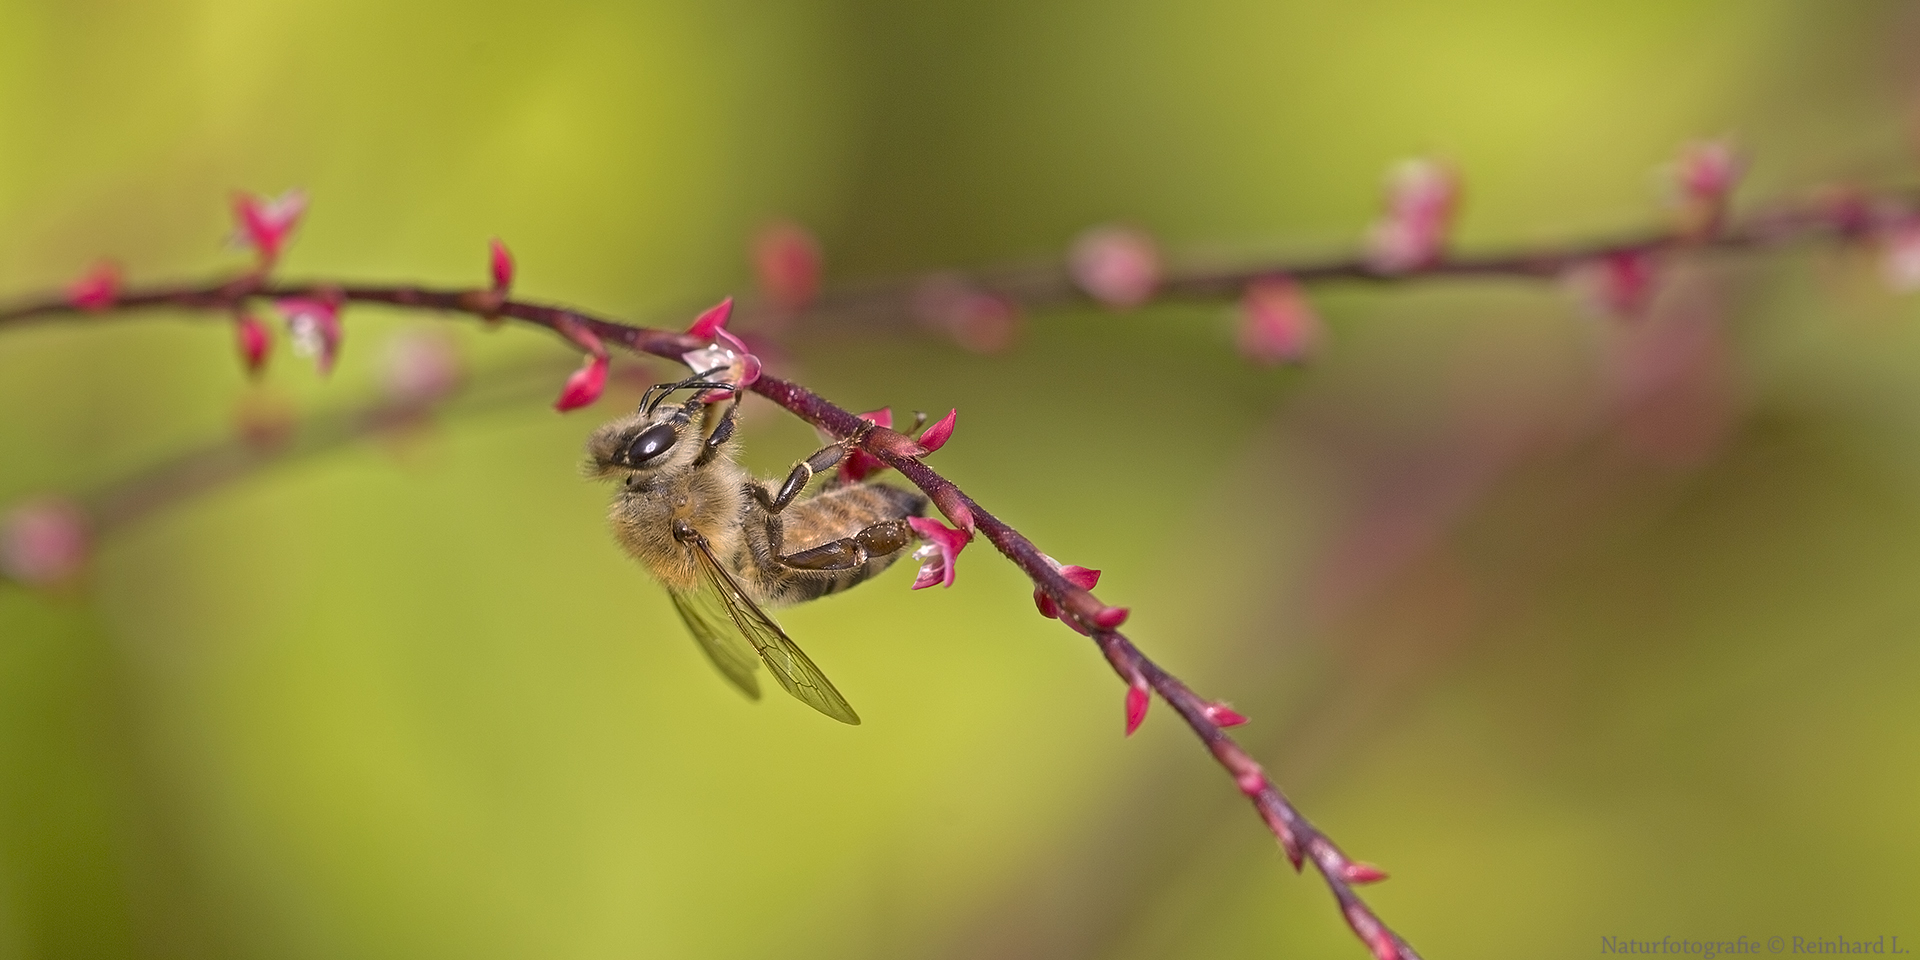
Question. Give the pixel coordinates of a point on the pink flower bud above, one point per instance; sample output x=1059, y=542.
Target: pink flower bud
x=43, y=543
x=265, y=225
x=1118, y=266
x=1421, y=197
x=787, y=263
x=938, y=555
x=421, y=368
x=1110, y=618
x=250, y=335
x=99, y=289
x=1357, y=872
x=314, y=327
x=936, y=436
x=1223, y=715
x=1137, y=701
x=501, y=262
x=1277, y=324
x=708, y=324
x=1080, y=577
x=585, y=385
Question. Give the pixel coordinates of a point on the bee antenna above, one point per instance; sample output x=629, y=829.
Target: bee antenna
x=649, y=402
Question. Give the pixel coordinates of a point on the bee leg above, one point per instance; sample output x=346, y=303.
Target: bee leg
x=848, y=553
x=822, y=460
x=722, y=432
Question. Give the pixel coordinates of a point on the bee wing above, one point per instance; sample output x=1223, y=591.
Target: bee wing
x=709, y=623
x=791, y=667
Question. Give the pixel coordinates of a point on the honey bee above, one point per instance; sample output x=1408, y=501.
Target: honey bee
x=726, y=545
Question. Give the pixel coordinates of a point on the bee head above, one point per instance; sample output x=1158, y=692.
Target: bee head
x=653, y=437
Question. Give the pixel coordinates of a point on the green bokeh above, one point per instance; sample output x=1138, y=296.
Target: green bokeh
x=410, y=701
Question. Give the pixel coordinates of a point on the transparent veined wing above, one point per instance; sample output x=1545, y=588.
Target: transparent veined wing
x=709, y=623
x=791, y=667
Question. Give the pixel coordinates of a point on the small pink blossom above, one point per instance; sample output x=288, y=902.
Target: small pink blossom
x=585, y=385
x=936, y=436
x=265, y=225
x=1223, y=715
x=43, y=543
x=1357, y=872
x=99, y=289
x=977, y=320
x=728, y=357
x=1080, y=577
x=314, y=327
x=1138, y=699
x=500, y=262
x=1421, y=197
x=1277, y=324
x=787, y=263
x=858, y=464
x=1110, y=618
x=1900, y=256
x=250, y=336
x=939, y=554
x=1116, y=265
x=421, y=367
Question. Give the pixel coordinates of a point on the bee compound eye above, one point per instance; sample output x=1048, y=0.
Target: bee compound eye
x=651, y=443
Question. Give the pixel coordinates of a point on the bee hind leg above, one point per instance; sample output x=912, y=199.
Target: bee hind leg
x=848, y=553
x=823, y=459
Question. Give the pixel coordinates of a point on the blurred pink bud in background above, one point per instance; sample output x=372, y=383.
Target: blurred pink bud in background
x=1118, y=266
x=314, y=327
x=265, y=225
x=500, y=264
x=98, y=289
x=250, y=335
x=43, y=543
x=1412, y=233
x=1620, y=284
x=1900, y=256
x=1277, y=324
x=787, y=264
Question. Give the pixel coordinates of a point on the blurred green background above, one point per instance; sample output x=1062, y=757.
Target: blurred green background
x=1578, y=629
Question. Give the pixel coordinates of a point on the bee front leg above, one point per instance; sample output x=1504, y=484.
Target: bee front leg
x=722, y=432
x=848, y=553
